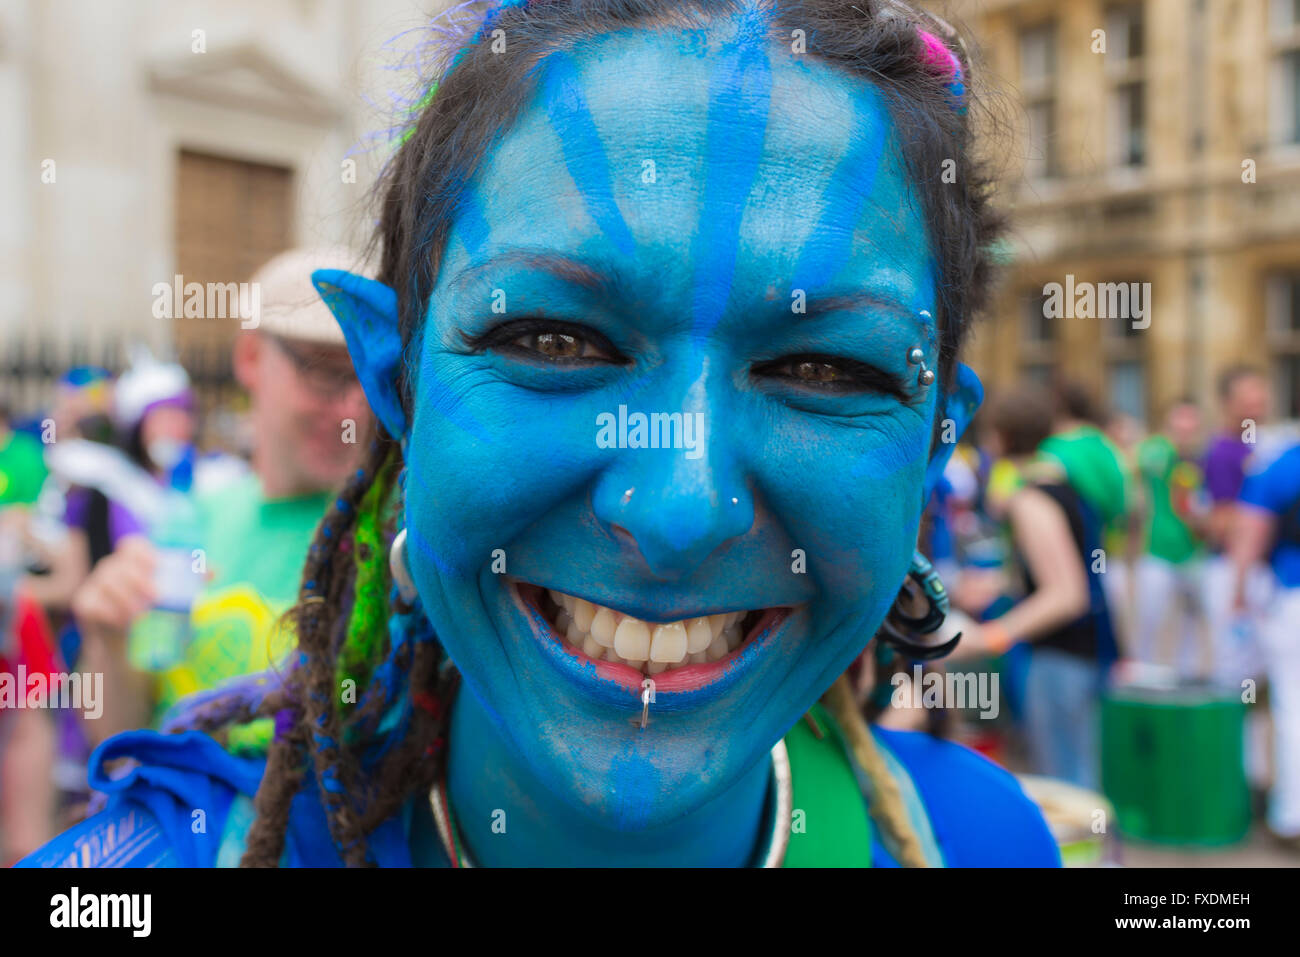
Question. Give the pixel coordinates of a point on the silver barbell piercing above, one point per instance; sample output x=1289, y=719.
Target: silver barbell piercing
x=916, y=357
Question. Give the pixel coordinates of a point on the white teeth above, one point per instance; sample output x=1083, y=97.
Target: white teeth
x=604, y=634
x=733, y=636
x=698, y=635
x=668, y=644
x=583, y=613
x=632, y=639
x=603, y=627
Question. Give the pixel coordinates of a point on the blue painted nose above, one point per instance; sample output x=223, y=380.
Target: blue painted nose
x=676, y=510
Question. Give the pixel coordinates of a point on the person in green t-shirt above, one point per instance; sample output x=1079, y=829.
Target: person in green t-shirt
x=1099, y=471
x=254, y=549
x=1094, y=466
x=309, y=417
x=22, y=465
x=1168, y=578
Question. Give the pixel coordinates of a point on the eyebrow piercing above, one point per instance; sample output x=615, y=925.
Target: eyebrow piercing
x=916, y=357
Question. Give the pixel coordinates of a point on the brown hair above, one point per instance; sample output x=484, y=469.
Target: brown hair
x=1022, y=418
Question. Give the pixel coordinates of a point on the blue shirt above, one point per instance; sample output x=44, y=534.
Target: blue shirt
x=1276, y=488
x=188, y=803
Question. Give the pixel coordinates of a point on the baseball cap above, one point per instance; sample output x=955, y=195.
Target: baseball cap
x=290, y=305
x=148, y=384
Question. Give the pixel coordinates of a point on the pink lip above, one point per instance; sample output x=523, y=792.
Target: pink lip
x=689, y=678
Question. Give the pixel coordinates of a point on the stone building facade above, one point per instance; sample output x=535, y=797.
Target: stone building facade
x=1148, y=141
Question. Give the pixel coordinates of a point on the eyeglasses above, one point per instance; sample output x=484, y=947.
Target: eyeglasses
x=328, y=379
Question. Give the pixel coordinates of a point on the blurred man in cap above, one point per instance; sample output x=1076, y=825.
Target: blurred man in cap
x=308, y=416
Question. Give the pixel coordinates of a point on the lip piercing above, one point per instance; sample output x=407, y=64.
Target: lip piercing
x=647, y=689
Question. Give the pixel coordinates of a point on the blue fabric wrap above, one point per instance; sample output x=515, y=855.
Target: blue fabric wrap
x=156, y=800
x=978, y=812
x=980, y=815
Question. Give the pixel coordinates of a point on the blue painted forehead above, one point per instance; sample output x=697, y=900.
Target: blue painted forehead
x=802, y=119
x=935, y=53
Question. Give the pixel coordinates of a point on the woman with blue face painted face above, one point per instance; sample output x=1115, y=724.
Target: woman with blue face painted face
x=664, y=332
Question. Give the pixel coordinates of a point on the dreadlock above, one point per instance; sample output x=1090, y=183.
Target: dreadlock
x=344, y=642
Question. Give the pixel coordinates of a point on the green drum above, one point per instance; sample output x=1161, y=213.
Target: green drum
x=1172, y=764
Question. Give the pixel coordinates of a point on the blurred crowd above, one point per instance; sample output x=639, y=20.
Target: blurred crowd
x=150, y=569
x=1080, y=554
x=1084, y=555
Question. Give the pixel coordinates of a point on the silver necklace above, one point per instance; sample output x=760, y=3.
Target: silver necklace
x=773, y=855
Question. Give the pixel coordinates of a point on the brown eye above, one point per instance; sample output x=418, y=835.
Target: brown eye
x=831, y=374
x=556, y=345
x=545, y=340
x=807, y=371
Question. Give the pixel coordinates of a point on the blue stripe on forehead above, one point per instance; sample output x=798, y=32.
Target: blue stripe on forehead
x=739, y=106
x=584, y=152
x=830, y=242
x=471, y=225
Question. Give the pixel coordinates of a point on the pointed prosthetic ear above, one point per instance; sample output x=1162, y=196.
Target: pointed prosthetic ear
x=366, y=310
x=957, y=409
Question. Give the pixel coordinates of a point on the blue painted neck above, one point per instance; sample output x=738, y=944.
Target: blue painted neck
x=485, y=778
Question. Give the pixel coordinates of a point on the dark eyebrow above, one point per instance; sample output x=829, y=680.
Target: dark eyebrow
x=853, y=302
x=562, y=267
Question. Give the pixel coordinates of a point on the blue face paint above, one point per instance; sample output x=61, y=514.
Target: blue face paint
x=621, y=205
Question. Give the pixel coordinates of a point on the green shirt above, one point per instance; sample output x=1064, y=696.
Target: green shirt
x=254, y=549
x=1095, y=469
x=1166, y=476
x=22, y=469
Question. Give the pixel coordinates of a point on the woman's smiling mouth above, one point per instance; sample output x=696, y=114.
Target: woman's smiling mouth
x=683, y=655
x=604, y=634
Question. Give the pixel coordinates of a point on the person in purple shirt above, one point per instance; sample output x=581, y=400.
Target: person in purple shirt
x=153, y=414
x=1244, y=400
x=1244, y=403
x=1267, y=527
